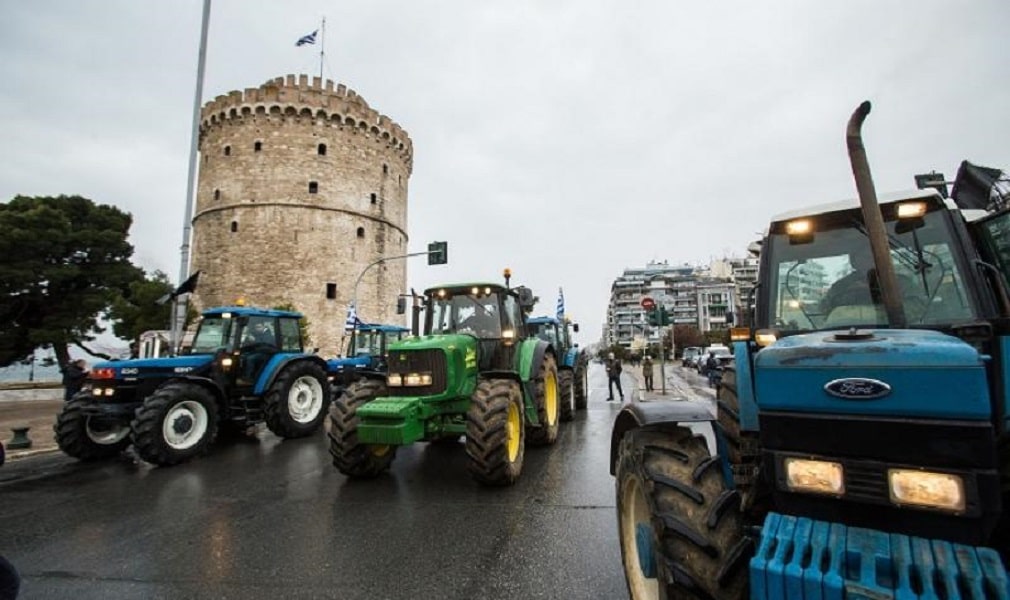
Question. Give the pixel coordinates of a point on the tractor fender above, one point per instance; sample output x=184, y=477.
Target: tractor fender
x=663, y=416
x=277, y=363
x=205, y=382
x=531, y=356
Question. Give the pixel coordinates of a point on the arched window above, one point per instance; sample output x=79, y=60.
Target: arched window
x=321, y=149
x=234, y=226
x=361, y=232
x=227, y=150
x=313, y=187
x=373, y=198
x=257, y=146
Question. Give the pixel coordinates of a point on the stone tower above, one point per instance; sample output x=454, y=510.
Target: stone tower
x=301, y=187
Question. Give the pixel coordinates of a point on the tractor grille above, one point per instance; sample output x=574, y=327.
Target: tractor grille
x=418, y=361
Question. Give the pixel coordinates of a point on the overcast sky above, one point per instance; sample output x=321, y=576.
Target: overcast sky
x=567, y=140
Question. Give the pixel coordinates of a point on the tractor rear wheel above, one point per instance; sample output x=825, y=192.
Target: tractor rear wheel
x=295, y=405
x=176, y=423
x=546, y=401
x=581, y=397
x=495, y=432
x=360, y=461
x=680, y=528
x=89, y=438
x=566, y=387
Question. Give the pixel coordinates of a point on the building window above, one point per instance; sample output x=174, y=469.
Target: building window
x=313, y=187
x=234, y=226
x=385, y=169
x=227, y=150
x=373, y=199
x=361, y=232
x=217, y=194
x=331, y=291
x=321, y=149
x=257, y=146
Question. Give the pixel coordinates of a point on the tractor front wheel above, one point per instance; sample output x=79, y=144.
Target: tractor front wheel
x=546, y=400
x=680, y=528
x=356, y=460
x=495, y=432
x=566, y=386
x=89, y=438
x=176, y=423
x=295, y=405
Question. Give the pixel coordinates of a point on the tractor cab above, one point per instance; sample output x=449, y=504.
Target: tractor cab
x=367, y=351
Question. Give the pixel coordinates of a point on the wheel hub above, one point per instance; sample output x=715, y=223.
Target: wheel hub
x=182, y=424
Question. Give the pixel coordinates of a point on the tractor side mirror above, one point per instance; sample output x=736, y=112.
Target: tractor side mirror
x=401, y=305
x=526, y=300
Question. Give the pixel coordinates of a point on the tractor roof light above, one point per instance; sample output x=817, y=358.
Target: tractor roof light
x=799, y=227
x=911, y=210
x=766, y=337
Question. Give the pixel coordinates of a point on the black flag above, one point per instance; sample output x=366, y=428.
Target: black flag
x=976, y=187
x=187, y=286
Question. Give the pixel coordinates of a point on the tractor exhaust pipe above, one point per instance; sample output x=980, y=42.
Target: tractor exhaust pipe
x=873, y=219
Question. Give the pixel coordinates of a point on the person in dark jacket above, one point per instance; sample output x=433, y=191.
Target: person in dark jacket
x=614, y=376
x=74, y=375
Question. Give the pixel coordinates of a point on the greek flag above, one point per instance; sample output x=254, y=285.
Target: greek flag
x=352, y=320
x=307, y=39
x=561, y=304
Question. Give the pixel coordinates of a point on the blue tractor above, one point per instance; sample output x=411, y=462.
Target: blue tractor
x=366, y=354
x=246, y=366
x=571, y=363
x=860, y=446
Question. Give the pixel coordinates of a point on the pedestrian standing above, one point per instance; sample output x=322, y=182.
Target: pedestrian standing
x=648, y=372
x=74, y=375
x=614, y=369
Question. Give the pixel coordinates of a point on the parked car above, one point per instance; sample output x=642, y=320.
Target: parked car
x=720, y=352
x=691, y=354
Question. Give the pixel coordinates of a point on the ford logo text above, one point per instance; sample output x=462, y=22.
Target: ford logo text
x=857, y=388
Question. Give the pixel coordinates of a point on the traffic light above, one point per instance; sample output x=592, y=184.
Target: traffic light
x=653, y=317
x=438, y=253
x=658, y=317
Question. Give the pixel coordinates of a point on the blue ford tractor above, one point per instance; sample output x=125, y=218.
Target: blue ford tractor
x=474, y=371
x=366, y=353
x=571, y=366
x=246, y=366
x=859, y=446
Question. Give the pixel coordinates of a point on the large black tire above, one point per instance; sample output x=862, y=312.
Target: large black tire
x=495, y=432
x=359, y=461
x=741, y=448
x=546, y=398
x=671, y=497
x=581, y=397
x=176, y=423
x=89, y=438
x=567, y=395
x=295, y=405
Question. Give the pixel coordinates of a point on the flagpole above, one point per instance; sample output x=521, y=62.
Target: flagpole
x=322, y=47
x=179, y=306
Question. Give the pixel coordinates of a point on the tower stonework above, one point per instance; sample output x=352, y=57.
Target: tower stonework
x=301, y=187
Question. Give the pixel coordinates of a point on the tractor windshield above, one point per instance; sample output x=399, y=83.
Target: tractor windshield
x=366, y=343
x=212, y=335
x=545, y=331
x=825, y=278
x=477, y=312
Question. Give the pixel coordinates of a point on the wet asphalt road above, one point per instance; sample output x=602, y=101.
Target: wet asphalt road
x=264, y=519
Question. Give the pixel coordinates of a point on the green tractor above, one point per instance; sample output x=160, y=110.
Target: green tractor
x=474, y=372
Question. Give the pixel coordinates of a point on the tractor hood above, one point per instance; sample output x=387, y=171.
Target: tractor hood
x=887, y=372
x=181, y=364
x=429, y=342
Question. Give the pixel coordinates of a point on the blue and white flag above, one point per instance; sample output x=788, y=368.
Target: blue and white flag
x=352, y=320
x=561, y=304
x=307, y=39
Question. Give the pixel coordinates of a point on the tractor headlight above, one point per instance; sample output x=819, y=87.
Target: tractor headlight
x=394, y=380
x=110, y=391
x=931, y=490
x=96, y=391
x=227, y=362
x=417, y=379
x=814, y=476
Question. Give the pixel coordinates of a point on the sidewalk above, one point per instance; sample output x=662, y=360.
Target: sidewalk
x=35, y=407
x=680, y=384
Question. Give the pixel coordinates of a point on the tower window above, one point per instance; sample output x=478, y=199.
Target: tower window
x=227, y=150
x=313, y=187
x=234, y=226
x=217, y=194
x=373, y=199
x=321, y=149
x=361, y=232
x=257, y=146
x=331, y=291
x=385, y=168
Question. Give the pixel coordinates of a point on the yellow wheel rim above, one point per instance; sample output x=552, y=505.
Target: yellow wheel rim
x=512, y=431
x=379, y=451
x=551, y=397
x=635, y=512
